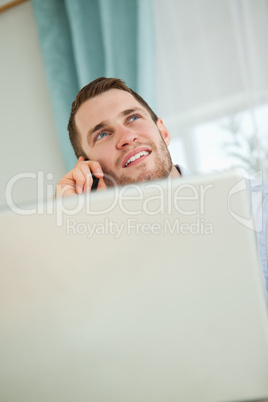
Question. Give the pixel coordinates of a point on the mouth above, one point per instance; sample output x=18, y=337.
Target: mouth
x=136, y=156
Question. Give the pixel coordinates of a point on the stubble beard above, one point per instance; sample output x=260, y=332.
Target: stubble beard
x=161, y=170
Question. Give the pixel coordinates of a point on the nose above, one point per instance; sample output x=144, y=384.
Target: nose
x=125, y=137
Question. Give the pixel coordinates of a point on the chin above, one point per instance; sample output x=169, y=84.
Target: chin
x=145, y=176
x=161, y=170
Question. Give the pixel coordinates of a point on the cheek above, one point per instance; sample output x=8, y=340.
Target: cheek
x=103, y=156
x=151, y=128
x=149, y=132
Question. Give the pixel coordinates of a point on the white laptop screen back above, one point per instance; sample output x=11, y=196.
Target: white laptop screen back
x=156, y=297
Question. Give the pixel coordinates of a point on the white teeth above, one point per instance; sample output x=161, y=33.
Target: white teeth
x=137, y=156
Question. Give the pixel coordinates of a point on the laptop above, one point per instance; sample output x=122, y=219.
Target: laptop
x=149, y=292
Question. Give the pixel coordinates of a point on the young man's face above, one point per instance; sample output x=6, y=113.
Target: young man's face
x=119, y=133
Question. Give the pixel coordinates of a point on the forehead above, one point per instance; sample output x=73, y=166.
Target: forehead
x=104, y=107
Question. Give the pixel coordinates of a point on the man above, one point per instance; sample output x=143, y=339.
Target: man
x=117, y=137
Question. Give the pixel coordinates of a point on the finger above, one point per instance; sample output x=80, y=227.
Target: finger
x=80, y=179
x=96, y=169
x=101, y=184
x=85, y=169
x=84, y=184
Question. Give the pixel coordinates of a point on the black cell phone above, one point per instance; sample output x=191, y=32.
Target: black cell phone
x=95, y=182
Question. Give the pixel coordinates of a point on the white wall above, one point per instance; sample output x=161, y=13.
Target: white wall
x=28, y=134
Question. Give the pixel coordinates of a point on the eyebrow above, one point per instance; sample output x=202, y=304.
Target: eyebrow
x=105, y=123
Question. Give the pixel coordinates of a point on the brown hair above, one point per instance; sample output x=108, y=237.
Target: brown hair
x=95, y=88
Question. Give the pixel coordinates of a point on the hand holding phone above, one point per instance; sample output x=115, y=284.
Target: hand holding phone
x=83, y=178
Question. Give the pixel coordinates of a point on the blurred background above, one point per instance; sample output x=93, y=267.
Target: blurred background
x=202, y=65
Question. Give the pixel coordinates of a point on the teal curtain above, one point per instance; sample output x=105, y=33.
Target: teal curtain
x=85, y=39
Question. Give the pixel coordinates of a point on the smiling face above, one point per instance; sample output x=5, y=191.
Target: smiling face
x=119, y=133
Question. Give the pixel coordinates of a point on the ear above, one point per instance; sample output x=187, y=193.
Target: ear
x=163, y=131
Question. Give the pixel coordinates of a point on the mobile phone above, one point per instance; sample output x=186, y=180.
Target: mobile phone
x=95, y=180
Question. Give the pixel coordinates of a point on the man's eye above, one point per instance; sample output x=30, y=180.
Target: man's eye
x=100, y=136
x=134, y=117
